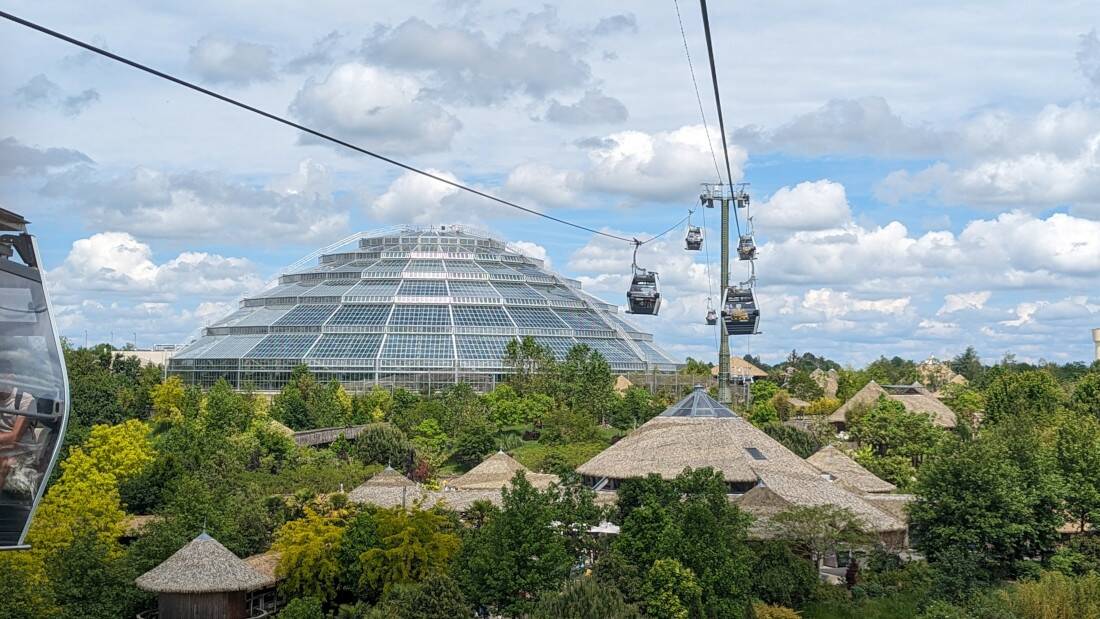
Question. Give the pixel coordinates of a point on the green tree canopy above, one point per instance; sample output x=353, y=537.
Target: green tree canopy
x=1031, y=393
x=411, y=546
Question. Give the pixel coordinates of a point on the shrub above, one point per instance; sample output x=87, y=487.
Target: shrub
x=383, y=443
x=303, y=608
x=767, y=611
x=584, y=598
x=781, y=577
x=1055, y=595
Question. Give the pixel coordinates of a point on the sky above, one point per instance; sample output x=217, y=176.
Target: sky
x=925, y=176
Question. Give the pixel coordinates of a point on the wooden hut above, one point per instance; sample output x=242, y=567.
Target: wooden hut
x=496, y=472
x=203, y=580
x=846, y=471
x=913, y=397
x=387, y=489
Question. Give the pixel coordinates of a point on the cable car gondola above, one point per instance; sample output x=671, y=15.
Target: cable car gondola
x=739, y=311
x=694, y=239
x=34, y=389
x=643, y=297
x=746, y=247
x=712, y=317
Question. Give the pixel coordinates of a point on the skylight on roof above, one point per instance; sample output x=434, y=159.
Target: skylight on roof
x=756, y=453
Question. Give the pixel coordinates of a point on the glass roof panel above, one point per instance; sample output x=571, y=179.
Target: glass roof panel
x=388, y=265
x=536, y=318
x=360, y=315
x=423, y=288
x=517, y=291
x=583, y=320
x=472, y=289
x=420, y=315
x=463, y=266
x=282, y=346
x=374, y=288
x=425, y=266
x=698, y=403
x=560, y=293
x=335, y=288
x=233, y=347
x=347, y=346
x=497, y=268
x=482, y=347
x=197, y=348
x=612, y=350
x=560, y=346
x=291, y=289
x=263, y=317
x=306, y=315
x=480, y=316
x=417, y=346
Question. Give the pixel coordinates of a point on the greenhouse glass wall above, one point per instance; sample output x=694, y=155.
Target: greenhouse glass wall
x=413, y=307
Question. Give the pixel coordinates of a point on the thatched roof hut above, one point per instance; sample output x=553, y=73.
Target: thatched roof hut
x=740, y=367
x=266, y=565
x=496, y=472
x=762, y=475
x=387, y=488
x=622, y=383
x=202, y=579
x=696, y=432
x=913, y=397
x=847, y=471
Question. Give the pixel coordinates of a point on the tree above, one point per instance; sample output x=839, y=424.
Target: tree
x=997, y=496
x=431, y=440
x=1086, y=395
x=382, y=443
x=168, y=400
x=84, y=498
x=584, y=598
x=530, y=365
x=799, y=441
x=227, y=411
x=584, y=385
x=801, y=385
x=670, y=591
x=411, y=546
x=1032, y=393
x=371, y=407
x=891, y=430
x=1077, y=450
x=308, y=559
x=89, y=579
x=819, y=529
x=291, y=406
x=438, y=597
x=25, y=587
x=517, y=553
x=782, y=577
x=473, y=443
x=968, y=364
x=633, y=409
x=694, y=367
x=303, y=608
x=121, y=450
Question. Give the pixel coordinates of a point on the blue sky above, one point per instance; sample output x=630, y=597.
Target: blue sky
x=926, y=177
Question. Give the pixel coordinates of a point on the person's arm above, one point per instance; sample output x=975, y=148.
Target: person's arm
x=7, y=439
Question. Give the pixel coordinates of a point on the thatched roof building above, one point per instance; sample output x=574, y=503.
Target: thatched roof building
x=203, y=579
x=496, y=472
x=622, y=383
x=761, y=474
x=740, y=367
x=387, y=488
x=913, y=397
x=847, y=471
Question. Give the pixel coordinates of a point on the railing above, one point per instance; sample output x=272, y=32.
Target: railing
x=257, y=613
x=325, y=436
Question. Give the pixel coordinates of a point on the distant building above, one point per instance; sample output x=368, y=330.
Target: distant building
x=1096, y=340
x=159, y=355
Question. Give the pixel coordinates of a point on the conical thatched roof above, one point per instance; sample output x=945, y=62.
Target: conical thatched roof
x=497, y=471
x=387, y=488
x=779, y=492
x=202, y=566
x=695, y=432
x=913, y=397
x=847, y=471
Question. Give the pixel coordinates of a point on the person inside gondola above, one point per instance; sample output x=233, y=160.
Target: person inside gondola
x=14, y=424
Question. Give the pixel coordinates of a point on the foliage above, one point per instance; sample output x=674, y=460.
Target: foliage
x=303, y=403
x=695, y=367
x=996, y=496
x=1034, y=394
x=893, y=371
x=25, y=587
x=303, y=608
x=763, y=390
x=106, y=390
x=168, y=400
x=90, y=579
x=849, y=382
x=583, y=598
x=763, y=413
x=767, y=611
x=473, y=443
x=1055, y=595
x=430, y=439
x=822, y=406
x=819, y=529
x=438, y=597
x=801, y=385
x=1080, y=555
x=226, y=410
x=583, y=384
x=564, y=425
x=85, y=498
x=799, y=441
x=782, y=577
x=530, y=365
x=516, y=553
x=670, y=591
x=891, y=430
x=688, y=519
x=898, y=470
x=1077, y=450
x=411, y=545
x=636, y=407
x=543, y=457
x=121, y=450
x=1086, y=395
x=968, y=364
x=384, y=443
x=309, y=558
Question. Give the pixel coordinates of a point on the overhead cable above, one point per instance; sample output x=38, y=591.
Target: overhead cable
x=718, y=104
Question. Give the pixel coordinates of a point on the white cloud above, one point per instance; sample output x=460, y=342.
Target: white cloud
x=40, y=91
x=223, y=60
x=964, y=301
x=544, y=184
x=813, y=205
x=18, y=158
x=533, y=250
x=664, y=165
x=413, y=198
x=193, y=205
x=385, y=110
x=1088, y=57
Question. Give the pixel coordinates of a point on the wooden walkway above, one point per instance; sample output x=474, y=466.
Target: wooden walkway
x=325, y=436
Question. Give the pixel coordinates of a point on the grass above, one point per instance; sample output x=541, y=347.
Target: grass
x=532, y=454
x=890, y=607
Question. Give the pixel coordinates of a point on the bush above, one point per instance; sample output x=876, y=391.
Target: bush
x=473, y=443
x=802, y=443
x=1055, y=595
x=383, y=443
x=1080, y=555
x=303, y=608
x=780, y=577
x=766, y=611
x=584, y=598
x=944, y=610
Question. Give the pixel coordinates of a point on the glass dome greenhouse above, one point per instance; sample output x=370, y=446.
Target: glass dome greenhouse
x=415, y=307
